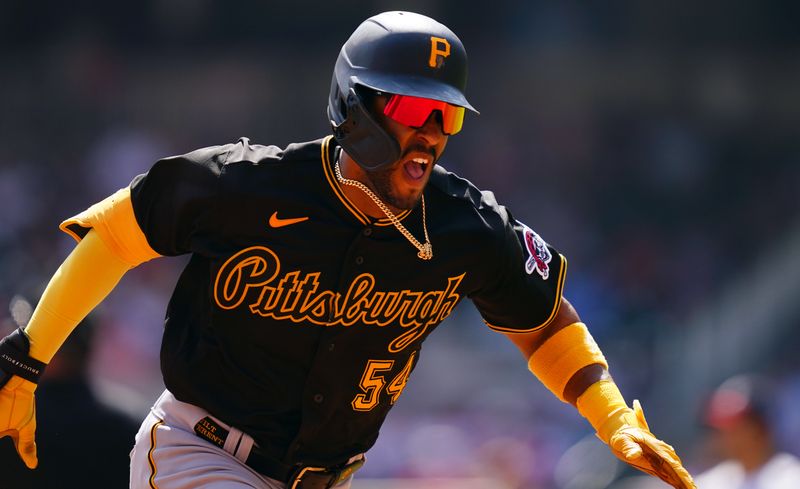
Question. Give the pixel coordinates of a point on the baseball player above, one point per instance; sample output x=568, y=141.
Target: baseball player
x=317, y=271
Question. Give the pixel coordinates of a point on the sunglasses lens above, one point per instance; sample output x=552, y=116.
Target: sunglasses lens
x=453, y=119
x=414, y=111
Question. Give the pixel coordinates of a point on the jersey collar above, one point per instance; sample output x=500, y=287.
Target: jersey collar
x=328, y=158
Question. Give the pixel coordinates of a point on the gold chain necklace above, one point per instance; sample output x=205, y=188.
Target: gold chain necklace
x=425, y=250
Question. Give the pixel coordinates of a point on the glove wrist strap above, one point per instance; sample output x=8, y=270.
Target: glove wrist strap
x=15, y=359
x=604, y=407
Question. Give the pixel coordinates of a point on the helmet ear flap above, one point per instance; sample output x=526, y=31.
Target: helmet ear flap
x=337, y=108
x=363, y=137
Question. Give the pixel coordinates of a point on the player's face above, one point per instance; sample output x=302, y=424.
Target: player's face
x=400, y=184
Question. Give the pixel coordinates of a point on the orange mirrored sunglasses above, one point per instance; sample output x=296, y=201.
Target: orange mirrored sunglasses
x=414, y=111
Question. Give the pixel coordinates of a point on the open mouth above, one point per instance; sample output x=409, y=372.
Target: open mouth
x=415, y=168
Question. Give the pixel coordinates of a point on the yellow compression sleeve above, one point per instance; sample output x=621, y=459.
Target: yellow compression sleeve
x=114, y=244
x=563, y=355
x=85, y=278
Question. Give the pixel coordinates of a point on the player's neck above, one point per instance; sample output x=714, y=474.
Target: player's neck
x=351, y=170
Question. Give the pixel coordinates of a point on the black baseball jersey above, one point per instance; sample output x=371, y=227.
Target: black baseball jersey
x=298, y=318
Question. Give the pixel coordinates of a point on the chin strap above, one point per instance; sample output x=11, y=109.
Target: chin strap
x=15, y=359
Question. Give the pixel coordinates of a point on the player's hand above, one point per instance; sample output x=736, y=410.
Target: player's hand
x=18, y=417
x=629, y=438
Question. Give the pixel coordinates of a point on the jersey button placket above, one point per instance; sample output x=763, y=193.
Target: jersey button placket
x=318, y=398
x=359, y=260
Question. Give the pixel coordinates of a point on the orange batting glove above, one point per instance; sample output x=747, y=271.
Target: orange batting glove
x=18, y=418
x=627, y=434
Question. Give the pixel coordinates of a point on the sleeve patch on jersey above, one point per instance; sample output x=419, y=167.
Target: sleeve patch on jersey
x=539, y=255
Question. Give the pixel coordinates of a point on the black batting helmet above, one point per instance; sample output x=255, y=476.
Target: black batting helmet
x=398, y=53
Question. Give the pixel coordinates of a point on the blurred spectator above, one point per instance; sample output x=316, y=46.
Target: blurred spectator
x=740, y=414
x=81, y=441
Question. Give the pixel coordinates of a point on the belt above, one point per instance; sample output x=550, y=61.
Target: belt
x=296, y=476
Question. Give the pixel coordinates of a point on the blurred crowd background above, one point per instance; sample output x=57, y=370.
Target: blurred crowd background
x=655, y=144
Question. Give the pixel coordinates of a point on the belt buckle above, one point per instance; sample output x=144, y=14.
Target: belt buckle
x=348, y=469
x=297, y=478
x=335, y=475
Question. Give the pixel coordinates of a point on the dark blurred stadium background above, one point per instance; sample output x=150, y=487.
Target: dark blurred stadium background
x=656, y=144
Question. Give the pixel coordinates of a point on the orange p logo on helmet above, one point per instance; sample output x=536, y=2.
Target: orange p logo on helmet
x=439, y=47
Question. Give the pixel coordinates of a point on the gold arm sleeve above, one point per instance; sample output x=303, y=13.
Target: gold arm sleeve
x=563, y=355
x=85, y=278
x=115, y=222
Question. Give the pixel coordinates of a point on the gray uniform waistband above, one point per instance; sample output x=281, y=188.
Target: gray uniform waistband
x=191, y=418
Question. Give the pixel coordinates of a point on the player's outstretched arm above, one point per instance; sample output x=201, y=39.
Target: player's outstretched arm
x=566, y=359
x=88, y=274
